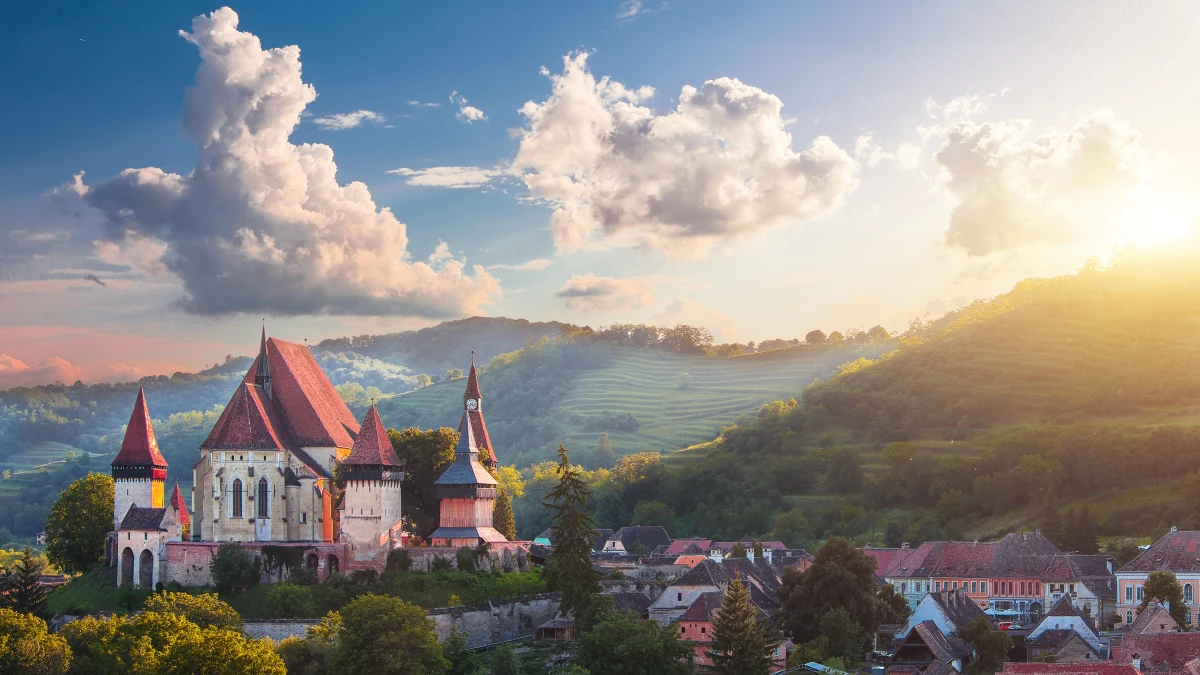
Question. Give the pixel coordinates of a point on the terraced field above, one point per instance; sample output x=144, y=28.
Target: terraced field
x=678, y=400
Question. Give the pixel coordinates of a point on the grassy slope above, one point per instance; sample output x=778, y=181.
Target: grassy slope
x=647, y=384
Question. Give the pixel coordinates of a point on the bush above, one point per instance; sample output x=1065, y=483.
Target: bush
x=233, y=567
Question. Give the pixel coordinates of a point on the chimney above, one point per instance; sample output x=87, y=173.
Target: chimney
x=1174, y=529
x=904, y=544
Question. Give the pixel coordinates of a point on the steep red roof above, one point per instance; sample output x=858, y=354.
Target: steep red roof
x=249, y=422
x=139, y=448
x=913, y=562
x=373, y=447
x=315, y=413
x=1162, y=652
x=1086, y=668
x=177, y=502
x=472, y=381
x=1177, y=551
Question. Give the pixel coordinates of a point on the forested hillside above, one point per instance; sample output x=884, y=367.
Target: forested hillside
x=1072, y=399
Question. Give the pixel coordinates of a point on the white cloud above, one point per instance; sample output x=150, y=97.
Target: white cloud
x=535, y=265
x=14, y=372
x=718, y=166
x=1006, y=190
x=590, y=293
x=908, y=156
x=144, y=254
x=424, y=104
x=261, y=224
x=630, y=9
x=448, y=176
x=348, y=120
x=470, y=114
x=867, y=150
x=683, y=310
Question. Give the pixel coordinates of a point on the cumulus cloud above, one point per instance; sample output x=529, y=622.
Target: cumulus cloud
x=448, y=176
x=718, y=166
x=466, y=113
x=261, y=224
x=870, y=152
x=1006, y=189
x=348, y=120
x=630, y=9
x=590, y=293
x=14, y=372
x=535, y=265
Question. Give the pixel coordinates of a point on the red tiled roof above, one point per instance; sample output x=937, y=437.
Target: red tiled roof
x=310, y=405
x=913, y=562
x=945, y=648
x=373, y=447
x=1151, y=615
x=678, y=546
x=703, y=607
x=1087, y=668
x=249, y=422
x=1163, y=652
x=479, y=429
x=139, y=448
x=185, y=518
x=1177, y=551
x=472, y=381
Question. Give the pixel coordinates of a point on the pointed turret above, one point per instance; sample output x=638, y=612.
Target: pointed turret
x=472, y=382
x=140, y=448
x=185, y=518
x=262, y=373
x=473, y=417
x=373, y=448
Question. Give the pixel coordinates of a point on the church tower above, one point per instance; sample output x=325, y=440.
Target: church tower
x=468, y=494
x=473, y=417
x=139, y=470
x=373, y=474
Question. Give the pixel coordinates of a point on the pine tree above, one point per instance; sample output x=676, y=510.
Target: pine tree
x=1052, y=527
x=503, y=518
x=603, y=454
x=26, y=594
x=741, y=643
x=569, y=568
x=1086, y=538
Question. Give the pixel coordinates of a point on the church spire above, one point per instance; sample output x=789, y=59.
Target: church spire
x=262, y=374
x=472, y=391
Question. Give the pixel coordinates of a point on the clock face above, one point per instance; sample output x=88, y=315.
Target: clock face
x=472, y=404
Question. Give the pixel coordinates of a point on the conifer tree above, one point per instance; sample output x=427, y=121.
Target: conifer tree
x=569, y=568
x=741, y=643
x=603, y=456
x=503, y=518
x=1052, y=527
x=26, y=594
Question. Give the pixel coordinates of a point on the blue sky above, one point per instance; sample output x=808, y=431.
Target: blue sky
x=970, y=145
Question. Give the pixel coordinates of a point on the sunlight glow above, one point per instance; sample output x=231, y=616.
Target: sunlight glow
x=1156, y=219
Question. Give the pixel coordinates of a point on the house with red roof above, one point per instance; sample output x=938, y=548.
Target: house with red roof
x=696, y=626
x=1159, y=653
x=1064, y=636
x=1105, y=668
x=1178, y=552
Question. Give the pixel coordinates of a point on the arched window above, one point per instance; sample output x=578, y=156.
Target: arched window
x=237, y=497
x=1187, y=593
x=262, y=498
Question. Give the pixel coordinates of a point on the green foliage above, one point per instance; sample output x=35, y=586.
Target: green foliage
x=597, y=611
x=842, y=636
x=204, y=610
x=462, y=661
x=389, y=636
x=234, y=567
x=653, y=512
x=625, y=645
x=742, y=643
x=991, y=646
x=506, y=662
x=603, y=456
x=23, y=590
x=78, y=523
x=736, y=551
x=290, y=601
x=312, y=654
x=1164, y=587
x=427, y=454
x=569, y=568
x=503, y=518
x=841, y=576
x=398, y=560
x=27, y=647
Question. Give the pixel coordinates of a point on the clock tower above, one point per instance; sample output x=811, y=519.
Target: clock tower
x=473, y=417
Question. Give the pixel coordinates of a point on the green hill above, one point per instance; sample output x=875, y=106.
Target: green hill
x=645, y=399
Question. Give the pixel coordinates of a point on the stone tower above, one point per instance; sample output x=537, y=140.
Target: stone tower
x=468, y=494
x=371, y=503
x=139, y=470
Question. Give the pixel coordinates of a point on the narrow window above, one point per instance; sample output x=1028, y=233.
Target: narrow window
x=1129, y=593
x=237, y=497
x=1187, y=593
x=262, y=497
x=304, y=517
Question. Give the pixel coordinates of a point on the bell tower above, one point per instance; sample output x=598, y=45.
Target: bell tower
x=473, y=417
x=139, y=471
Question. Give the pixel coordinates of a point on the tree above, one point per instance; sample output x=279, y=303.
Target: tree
x=841, y=576
x=503, y=518
x=423, y=380
x=1164, y=587
x=25, y=592
x=1052, y=527
x=205, y=610
x=991, y=646
x=234, y=567
x=842, y=636
x=603, y=456
x=736, y=551
x=311, y=654
x=220, y=651
x=890, y=606
x=382, y=634
x=742, y=643
x=845, y=473
x=505, y=661
x=654, y=513
x=569, y=568
x=815, y=337
x=454, y=374
x=1080, y=531
x=625, y=645
x=78, y=523
x=462, y=660
x=27, y=647
x=426, y=455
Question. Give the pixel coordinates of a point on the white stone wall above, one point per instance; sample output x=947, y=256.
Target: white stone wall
x=130, y=491
x=371, y=511
x=496, y=622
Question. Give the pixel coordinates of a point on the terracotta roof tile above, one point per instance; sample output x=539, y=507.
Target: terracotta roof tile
x=1086, y=668
x=479, y=429
x=1162, y=652
x=311, y=406
x=249, y=422
x=1177, y=551
x=372, y=447
x=140, y=447
x=180, y=505
x=703, y=607
x=472, y=381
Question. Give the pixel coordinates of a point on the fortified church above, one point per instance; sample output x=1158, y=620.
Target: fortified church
x=265, y=479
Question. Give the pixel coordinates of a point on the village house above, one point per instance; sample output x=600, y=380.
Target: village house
x=928, y=651
x=696, y=626
x=948, y=610
x=761, y=578
x=1159, y=653
x=908, y=569
x=1064, y=636
x=1106, y=668
x=1177, y=552
x=1088, y=580
x=637, y=540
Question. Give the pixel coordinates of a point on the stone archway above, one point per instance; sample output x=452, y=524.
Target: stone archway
x=332, y=564
x=127, y=566
x=146, y=569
